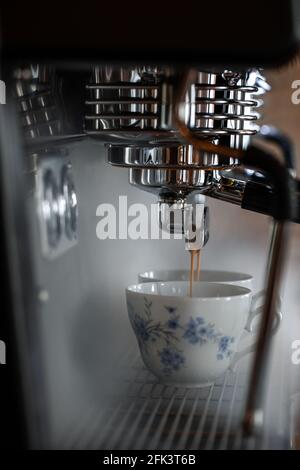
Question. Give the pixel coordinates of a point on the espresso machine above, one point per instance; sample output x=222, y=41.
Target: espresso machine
x=173, y=94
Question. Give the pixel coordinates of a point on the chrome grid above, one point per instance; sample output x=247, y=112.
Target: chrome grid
x=148, y=415
x=218, y=104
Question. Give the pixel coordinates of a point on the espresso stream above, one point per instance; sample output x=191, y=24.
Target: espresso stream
x=194, y=275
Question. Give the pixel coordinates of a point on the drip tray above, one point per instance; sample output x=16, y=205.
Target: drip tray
x=145, y=414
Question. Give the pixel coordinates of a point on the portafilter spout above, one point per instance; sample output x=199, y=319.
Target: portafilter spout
x=186, y=216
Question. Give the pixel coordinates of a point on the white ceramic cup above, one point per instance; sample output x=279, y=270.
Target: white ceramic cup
x=206, y=275
x=224, y=277
x=185, y=340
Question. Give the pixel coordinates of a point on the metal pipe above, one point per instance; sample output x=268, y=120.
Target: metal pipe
x=228, y=189
x=253, y=418
x=284, y=205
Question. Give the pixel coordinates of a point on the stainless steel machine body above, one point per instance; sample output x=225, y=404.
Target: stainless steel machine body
x=185, y=129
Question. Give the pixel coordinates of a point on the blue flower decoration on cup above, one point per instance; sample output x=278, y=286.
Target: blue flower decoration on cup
x=196, y=331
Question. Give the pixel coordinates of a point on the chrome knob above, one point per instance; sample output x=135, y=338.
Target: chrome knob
x=70, y=200
x=51, y=209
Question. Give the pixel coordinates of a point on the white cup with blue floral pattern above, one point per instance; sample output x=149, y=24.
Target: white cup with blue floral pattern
x=185, y=340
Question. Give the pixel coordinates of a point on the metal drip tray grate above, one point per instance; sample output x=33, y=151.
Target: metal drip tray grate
x=150, y=415
x=164, y=417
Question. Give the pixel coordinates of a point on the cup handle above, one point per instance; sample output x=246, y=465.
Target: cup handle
x=254, y=312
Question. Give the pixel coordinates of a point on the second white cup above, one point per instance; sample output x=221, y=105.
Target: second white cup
x=224, y=277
